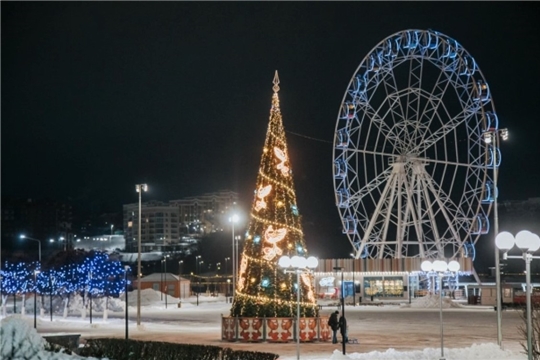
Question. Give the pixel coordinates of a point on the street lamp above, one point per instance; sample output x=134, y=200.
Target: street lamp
x=491, y=136
x=353, y=283
x=298, y=265
x=139, y=188
x=39, y=242
x=528, y=243
x=161, y=279
x=233, y=219
x=337, y=268
x=180, y=266
x=227, y=259
x=164, y=261
x=126, y=268
x=442, y=268
x=197, y=264
x=35, y=296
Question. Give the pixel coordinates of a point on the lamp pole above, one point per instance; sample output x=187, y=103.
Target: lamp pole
x=528, y=258
x=180, y=263
x=440, y=267
x=353, y=283
x=226, y=272
x=298, y=265
x=440, y=315
x=90, y=293
x=39, y=243
x=233, y=219
x=165, y=278
x=50, y=298
x=528, y=243
x=35, y=296
x=126, y=268
x=492, y=136
x=337, y=268
x=139, y=188
x=161, y=279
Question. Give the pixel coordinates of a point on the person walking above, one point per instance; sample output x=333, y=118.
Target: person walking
x=343, y=329
x=334, y=325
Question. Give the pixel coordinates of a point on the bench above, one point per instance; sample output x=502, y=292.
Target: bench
x=68, y=341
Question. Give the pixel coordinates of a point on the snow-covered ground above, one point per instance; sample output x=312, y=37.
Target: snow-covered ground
x=389, y=332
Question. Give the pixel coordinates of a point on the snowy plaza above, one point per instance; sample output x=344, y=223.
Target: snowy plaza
x=391, y=331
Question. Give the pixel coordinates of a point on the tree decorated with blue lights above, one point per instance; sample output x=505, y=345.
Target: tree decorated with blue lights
x=95, y=274
x=105, y=277
x=263, y=289
x=17, y=278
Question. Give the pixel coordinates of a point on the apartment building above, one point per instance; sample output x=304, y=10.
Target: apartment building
x=168, y=226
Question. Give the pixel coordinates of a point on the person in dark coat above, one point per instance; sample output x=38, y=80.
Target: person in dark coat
x=343, y=328
x=334, y=325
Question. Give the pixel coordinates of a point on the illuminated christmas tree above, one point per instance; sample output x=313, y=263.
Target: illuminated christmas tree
x=263, y=288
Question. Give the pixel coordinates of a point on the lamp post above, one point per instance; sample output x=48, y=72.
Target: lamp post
x=90, y=293
x=139, y=188
x=353, y=283
x=126, y=268
x=200, y=271
x=528, y=243
x=298, y=265
x=165, y=278
x=441, y=268
x=161, y=279
x=35, y=296
x=180, y=265
x=337, y=268
x=39, y=243
x=233, y=219
x=50, y=298
x=227, y=259
x=491, y=136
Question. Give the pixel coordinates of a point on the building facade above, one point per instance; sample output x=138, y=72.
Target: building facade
x=205, y=213
x=172, y=225
x=159, y=226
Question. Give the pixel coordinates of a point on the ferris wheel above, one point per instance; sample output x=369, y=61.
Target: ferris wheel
x=411, y=170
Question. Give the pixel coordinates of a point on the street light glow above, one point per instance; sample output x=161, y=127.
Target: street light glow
x=527, y=242
x=299, y=264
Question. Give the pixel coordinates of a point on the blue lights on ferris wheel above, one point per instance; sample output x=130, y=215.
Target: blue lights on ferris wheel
x=410, y=39
x=491, y=121
x=490, y=193
x=375, y=86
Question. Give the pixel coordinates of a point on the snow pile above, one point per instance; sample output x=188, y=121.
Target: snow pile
x=149, y=298
x=433, y=301
x=475, y=352
x=18, y=340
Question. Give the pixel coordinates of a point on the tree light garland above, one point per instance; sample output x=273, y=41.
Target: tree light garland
x=263, y=289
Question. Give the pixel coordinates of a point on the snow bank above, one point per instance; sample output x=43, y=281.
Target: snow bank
x=19, y=340
x=475, y=352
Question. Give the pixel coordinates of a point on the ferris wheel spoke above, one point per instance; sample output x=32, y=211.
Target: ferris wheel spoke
x=371, y=186
x=380, y=203
x=397, y=99
x=445, y=162
x=443, y=131
x=379, y=122
x=435, y=101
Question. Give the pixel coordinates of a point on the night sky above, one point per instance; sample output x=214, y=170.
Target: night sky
x=99, y=96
